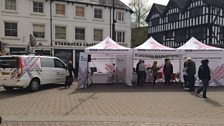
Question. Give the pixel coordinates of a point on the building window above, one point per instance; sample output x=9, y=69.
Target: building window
x=169, y=35
x=195, y=12
x=98, y=13
x=158, y=37
x=60, y=9
x=10, y=4
x=98, y=34
x=155, y=21
x=173, y=17
x=119, y=16
x=39, y=31
x=79, y=33
x=79, y=11
x=221, y=34
x=38, y=7
x=120, y=36
x=10, y=29
x=60, y=32
x=180, y=37
x=198, y=32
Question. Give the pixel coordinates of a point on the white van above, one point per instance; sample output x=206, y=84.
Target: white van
x=30, y=71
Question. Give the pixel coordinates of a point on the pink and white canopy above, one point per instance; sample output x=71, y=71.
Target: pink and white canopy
x=152, y=44
x=194, y=44
x=106, y=45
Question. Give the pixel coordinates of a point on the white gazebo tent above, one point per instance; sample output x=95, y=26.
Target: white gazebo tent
x=151, y=50
x=199, y=51
x=103, y=57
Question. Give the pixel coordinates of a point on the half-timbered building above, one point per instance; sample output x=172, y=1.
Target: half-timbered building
x=174, y=24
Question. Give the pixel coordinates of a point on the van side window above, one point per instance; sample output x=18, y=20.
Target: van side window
x=58, y=64
x=47, y=62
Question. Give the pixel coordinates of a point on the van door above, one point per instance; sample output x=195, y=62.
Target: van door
x=60, y=70
x=48, y=74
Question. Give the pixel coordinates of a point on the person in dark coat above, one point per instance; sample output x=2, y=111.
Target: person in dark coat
x=204, y=76
x=138, y=73
x=69, y=78
x=167, y=71
x=191, y=71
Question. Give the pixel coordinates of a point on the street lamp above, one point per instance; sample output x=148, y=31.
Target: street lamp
x=51, y=27
x=114, y=21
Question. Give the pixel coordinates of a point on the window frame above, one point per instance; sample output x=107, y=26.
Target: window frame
x=39, y=32
x=5, y=8
x=198, y=32
x=10, y=29
x=59, y=61
x=120, y=18
x=61, y=4
x=196, y=11
x=83, y=37
x=79, y=6
x=122, y=36
x=38, y=8
x=97, y=36
x=58, y=34
x=47, y=64
x=98, y=15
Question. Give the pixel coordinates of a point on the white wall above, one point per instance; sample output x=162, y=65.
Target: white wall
x=26, y=18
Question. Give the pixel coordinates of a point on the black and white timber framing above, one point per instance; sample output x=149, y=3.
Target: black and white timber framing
x=176, y=23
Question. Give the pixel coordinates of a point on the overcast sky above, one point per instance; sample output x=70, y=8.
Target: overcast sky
x=163, y=2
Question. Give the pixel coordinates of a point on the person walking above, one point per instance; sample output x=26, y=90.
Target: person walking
x=154, y=69
x=185, y=76
x=167, y=71
x=142, y=72
x=191, y=71
x=137, y=72
x=69, y=78
x=204, y=76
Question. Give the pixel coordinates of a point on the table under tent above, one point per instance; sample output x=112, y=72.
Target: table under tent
x=110, y=63
x=151, y=51
x=199, y=51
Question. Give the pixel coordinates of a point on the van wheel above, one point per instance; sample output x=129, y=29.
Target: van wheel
x=8, y=88
x=34, y=85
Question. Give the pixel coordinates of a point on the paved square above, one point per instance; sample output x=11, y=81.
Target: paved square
x=112, y=105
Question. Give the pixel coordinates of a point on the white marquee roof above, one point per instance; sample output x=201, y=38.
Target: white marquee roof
x=193, y=43
x=107, y=44
x=151, y=43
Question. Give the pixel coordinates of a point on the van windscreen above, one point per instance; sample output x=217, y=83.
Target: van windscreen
x=9, y=62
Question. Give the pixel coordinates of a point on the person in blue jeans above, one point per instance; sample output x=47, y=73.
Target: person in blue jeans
x=204, y=76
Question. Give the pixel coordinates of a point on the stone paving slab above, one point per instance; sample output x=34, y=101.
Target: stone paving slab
x=87, y=123
x=112, y=103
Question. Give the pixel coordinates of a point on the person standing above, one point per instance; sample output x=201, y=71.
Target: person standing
x=204, y=76
x=142, y=72
x=114, y=75
x=155, y=69
x=185, y=76
x=191, y=71
x=137, y=72
x=167, y=71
